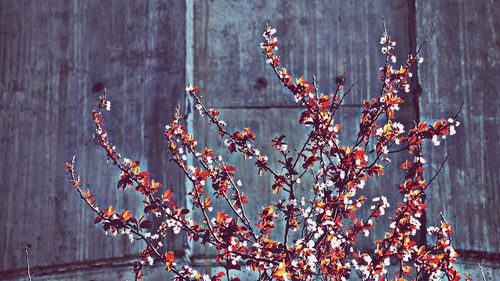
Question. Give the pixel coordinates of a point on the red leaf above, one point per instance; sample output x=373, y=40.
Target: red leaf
x=146, y=182
x=422, y=126
x=229, y=168
x=221, y=133
x=97, y=219
x=232, y=147
x=204, y=174
x=238, y=135
x=169, y=256
x=146, y=224
x=352, y=215
x=244, y=199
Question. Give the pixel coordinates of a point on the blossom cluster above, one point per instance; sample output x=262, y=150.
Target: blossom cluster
x=322, y=228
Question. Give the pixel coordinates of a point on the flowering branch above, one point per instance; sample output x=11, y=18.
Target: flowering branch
x=324, y=223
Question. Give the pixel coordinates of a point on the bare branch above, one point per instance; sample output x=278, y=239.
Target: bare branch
x=438, y=171
x=26, y=249
x=482, y=272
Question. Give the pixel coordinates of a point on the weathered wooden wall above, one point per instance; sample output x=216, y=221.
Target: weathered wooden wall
x=462, y=67
x=52, y=52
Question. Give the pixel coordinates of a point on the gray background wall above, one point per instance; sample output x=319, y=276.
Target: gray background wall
x=51, y=52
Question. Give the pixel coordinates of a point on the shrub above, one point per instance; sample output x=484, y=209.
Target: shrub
x=322, y=228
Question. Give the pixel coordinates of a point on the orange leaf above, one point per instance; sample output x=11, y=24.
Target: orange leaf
x=207, y=201
x=238, y=135
x=126, y=215
x=167, y=194
x=155, y=185
x=109, y=211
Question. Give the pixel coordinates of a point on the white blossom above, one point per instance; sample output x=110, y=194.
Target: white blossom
x=383, y=39
x=435, y=140
x=407, y=88
x=342, y=174
x=452, y=130
x=399, y=127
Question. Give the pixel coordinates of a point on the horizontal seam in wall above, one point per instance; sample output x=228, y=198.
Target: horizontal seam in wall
x=466, y=257
x=73, y=267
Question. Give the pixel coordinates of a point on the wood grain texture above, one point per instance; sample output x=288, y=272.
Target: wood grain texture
x=321, y=38
x=461, y=66
x=51, y=53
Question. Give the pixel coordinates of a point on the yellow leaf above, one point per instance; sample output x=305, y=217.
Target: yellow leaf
x=388, y=127
x=281, y=272
x=402, y=70
x=109, y=211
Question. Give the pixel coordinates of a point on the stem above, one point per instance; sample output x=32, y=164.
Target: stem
x=26, y=249
x=482, y=272
x=438, y=171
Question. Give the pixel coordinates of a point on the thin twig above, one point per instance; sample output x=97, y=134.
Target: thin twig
x=427, y=37
x=442, y=217
x=482, y=272
x=439, y=170
x=26, y=249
